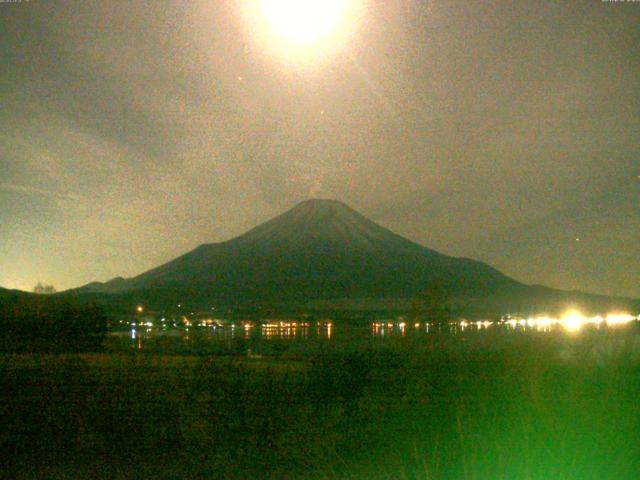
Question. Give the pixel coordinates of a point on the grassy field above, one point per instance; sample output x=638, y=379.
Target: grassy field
x=510, y=407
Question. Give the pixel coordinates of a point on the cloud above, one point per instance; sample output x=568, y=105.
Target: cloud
x=127, y=138
x=29, y=190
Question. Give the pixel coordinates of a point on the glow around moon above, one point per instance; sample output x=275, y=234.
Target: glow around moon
x=303, y=32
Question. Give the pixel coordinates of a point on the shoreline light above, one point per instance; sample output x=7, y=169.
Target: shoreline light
x=619, y=318
x=571, y=321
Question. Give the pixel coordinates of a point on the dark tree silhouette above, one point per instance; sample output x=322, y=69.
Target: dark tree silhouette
x=44, y=289
x=44, y=323
x=433, y=304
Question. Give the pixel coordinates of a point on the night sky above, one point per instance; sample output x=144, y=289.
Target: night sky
x=505, y=131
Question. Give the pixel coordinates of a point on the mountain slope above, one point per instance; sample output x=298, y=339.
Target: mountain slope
x=322, y=252
x=319, y=249
x=6, y=294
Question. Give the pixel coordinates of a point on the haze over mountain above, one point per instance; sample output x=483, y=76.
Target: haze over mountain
x=319, y=251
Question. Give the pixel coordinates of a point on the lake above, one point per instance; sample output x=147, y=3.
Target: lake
x=296, y=337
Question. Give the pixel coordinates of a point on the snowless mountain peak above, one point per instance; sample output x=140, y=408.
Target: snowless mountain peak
x=319, y=219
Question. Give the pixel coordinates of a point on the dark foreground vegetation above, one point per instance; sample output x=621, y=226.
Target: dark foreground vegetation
x=40, y=323
x=481, y=407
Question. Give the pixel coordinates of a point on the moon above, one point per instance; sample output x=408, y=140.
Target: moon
x=303, y=21
x=302, y=32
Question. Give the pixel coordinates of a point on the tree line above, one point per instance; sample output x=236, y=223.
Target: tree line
x=50, y=324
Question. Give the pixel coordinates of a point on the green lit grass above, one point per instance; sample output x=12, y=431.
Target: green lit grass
x=484, y=407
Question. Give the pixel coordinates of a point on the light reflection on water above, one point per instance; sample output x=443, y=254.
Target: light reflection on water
x=227, y=337
x=268, y=336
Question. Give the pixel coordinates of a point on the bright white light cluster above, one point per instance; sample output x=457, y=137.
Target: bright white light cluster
x=571, y=320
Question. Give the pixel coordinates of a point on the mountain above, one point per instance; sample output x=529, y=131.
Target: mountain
x=321, y=252
x=6, y=294
x=111, y=286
